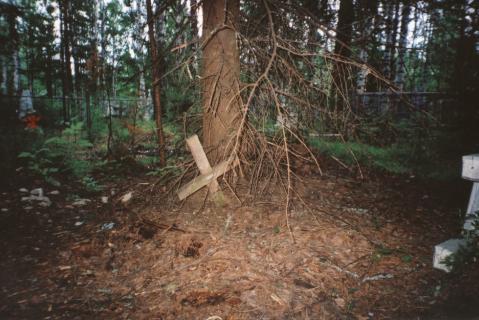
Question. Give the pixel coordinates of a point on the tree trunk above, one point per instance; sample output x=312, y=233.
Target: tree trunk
x=100, y=80
x=4, y=76
x=160, y=36
x=15, y=72
x=194, y=35
x=389, y=13
x=392, y=21
x=62, y=63
x=220, y=77
x=400, y=67
x=344, y=31
x=368, y=10
x=194, y=18
x=14, y=83
x=66, y=41
x=156, y=82
x=392, y=44
x=49, y=73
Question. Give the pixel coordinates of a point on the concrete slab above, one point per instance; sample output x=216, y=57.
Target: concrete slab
x=473, y=205
x=470, y=167
x=444, y=250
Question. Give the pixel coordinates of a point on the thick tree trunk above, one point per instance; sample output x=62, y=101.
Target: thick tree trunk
x=156, y=83
x=344, y=30
x=220, y=77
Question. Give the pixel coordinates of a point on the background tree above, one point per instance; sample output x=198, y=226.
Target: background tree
x=156, y=82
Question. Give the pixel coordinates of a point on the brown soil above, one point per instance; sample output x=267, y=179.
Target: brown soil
x=358, y=249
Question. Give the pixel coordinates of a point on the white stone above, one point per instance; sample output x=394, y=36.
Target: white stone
x=23, y=190
x=37, y=192
x=473, y=205
x=126, y=197
x=470, y=167
x=104, y=199
x=43, y=201
x=81, y=202
x=444, y=250
x=469, y=222
x=55, y=192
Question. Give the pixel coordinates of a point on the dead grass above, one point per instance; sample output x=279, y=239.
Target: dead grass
x=362, y=250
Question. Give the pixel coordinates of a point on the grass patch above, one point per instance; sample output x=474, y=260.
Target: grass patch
x=400, y=158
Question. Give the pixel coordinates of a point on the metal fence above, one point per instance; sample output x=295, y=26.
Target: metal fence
x=54, y=107
x=405, y=104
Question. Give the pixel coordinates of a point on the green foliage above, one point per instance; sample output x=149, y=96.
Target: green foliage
x=91, y=184
x=40, y=164
x=67, y=153
x=469, y=253
x=385, y=159
x=417, y=148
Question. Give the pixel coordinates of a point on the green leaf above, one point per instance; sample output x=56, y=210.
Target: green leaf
x=25, y=155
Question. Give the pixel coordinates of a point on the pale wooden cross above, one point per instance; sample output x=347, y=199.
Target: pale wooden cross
x=208, y=175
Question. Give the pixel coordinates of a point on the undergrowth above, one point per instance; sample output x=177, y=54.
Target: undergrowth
x=425, y=160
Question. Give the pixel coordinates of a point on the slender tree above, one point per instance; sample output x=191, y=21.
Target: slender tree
x=344, y=31
x=400, y=63
x=156, y=82
x=367, y=18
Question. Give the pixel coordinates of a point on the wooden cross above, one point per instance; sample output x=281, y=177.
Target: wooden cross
x=208, y=175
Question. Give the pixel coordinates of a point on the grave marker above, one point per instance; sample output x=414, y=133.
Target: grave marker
x=470, y=171
x=208, y=175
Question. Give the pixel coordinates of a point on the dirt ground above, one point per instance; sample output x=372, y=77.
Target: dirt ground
x=358, y=249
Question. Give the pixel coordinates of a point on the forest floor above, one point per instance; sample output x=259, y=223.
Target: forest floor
x=362, y=249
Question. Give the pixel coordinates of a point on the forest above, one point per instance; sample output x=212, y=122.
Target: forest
x=227, y=159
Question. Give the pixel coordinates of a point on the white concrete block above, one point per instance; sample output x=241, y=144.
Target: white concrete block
x=473, y=205
x=444, y=250
x=469, y=223
x=470, y=167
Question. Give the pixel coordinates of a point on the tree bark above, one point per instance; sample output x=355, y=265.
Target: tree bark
x=14, y=83
x=367, y=10
x=220, y=77
x=400, y=66
x=344, y=31
x=62, y=63
x=393, y=43
x=194, y=18
x=156, y=82
x=66, y=42
x=392, y=21
x=4, y=76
